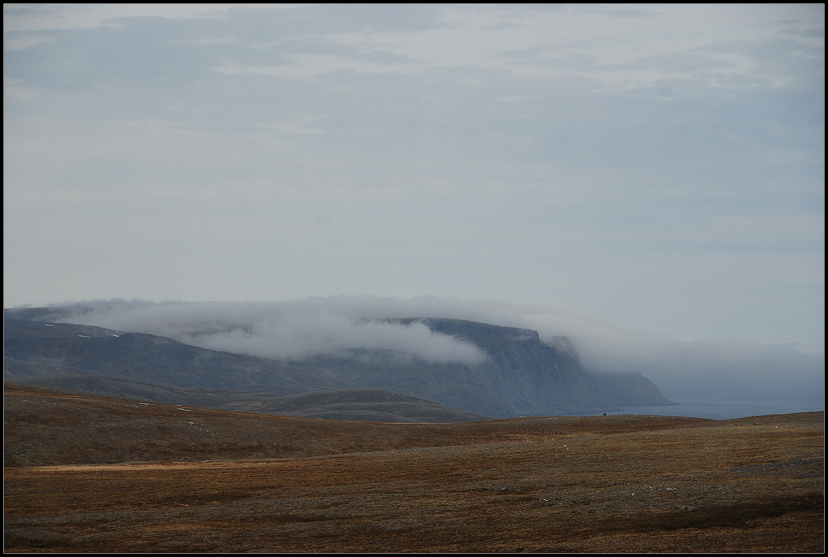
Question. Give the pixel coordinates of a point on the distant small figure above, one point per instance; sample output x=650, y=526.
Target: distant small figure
x=605, y=413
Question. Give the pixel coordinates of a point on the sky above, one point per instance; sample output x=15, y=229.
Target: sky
x=659, y=168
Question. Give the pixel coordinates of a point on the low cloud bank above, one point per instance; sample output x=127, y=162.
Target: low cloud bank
x=279, y=330
x=712, y=371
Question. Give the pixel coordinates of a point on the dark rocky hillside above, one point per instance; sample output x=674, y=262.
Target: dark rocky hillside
x=521, y=376
x=34, y=348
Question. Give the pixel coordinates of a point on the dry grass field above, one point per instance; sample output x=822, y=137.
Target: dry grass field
x=592, y=484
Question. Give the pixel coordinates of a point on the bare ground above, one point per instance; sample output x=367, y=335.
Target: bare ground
x=598, y=484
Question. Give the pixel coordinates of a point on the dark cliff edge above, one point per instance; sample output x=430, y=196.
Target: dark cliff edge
x=522, y=376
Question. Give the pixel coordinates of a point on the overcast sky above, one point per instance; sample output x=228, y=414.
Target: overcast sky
x=659, y=166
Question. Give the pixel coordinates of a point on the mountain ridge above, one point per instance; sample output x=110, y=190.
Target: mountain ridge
x=521, y=375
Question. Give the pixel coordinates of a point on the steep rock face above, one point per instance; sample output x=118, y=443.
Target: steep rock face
x=532, y=376
x=521, y=375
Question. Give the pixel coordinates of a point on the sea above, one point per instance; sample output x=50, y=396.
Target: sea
x=719, y=411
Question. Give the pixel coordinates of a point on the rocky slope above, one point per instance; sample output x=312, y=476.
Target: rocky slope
x=521, y=375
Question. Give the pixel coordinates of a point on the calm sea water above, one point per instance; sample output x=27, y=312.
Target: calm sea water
x=720, y=411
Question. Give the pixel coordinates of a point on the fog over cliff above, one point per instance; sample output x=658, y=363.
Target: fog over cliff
x=704, y=370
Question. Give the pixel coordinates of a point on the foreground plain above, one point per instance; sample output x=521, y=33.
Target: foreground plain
x=592, y=484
